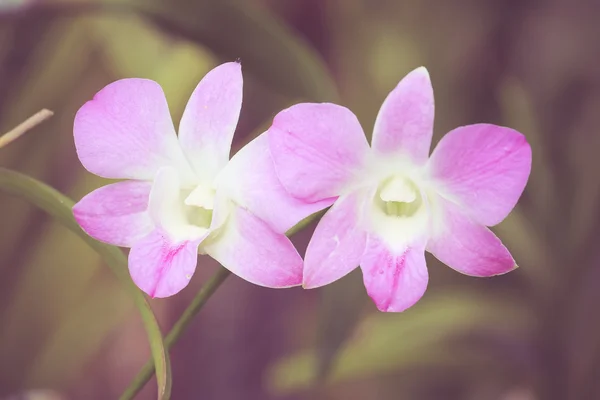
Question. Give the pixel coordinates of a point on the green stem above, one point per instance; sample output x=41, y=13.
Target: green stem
x=60, y=207
x=190, y=312
x=180, y=326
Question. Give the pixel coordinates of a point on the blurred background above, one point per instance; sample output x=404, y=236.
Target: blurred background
x=69, y=331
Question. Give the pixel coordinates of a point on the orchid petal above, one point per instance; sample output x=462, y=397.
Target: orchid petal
x=126, y=132
x=161, y=266
x=484, y=168
x=210, y=118
x=317, y=149
x=395, y=279
x=116, y=213
x=467, y=246
x=250, y=180
x=249, y=248
x=337, y=244
x=405, y=121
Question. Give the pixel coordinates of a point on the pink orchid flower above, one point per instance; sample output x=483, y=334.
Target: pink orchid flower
x=182, y=195
x=392, y=200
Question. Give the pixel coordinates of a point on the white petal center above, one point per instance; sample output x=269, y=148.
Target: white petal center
x=202, y=196
x=401, y=197
x=185, y=213
x=199, y=205
x=398, y=189
x=399, y=211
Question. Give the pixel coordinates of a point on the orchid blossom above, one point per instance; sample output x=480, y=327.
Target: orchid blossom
x=181, y=194
x=391, y=200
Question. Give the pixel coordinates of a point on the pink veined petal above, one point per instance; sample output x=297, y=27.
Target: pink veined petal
x=116, y=213
x=395, y=279
x=126, y=132
x=250, y=180
x=316, y=149
x=249, y=248
x=160, y=266
x=484, y=168
x=467, y=246
x=209, y=120
x=337, y=244
x=405, y=121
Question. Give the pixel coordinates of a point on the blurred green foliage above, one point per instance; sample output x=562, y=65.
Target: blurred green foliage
x=423, y=336
x=59, y=207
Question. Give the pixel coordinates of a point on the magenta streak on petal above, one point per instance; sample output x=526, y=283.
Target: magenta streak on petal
x=394, y=279
x=168, y=255
x=391, y=267
x=160, y=267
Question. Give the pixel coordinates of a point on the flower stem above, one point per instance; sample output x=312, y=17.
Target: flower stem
x=180, y=326
x=190, y=312
x=60, y=208
x=25, y=126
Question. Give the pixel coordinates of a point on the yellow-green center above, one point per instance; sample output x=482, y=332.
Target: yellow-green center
x=400, y=196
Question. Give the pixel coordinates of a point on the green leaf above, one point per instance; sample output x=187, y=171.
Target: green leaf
x=232, y=29
x=59, y=207
x=390, y=342
x=238, y=30
x=133, y=46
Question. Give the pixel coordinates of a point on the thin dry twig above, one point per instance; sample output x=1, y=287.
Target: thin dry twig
x=25, y=126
